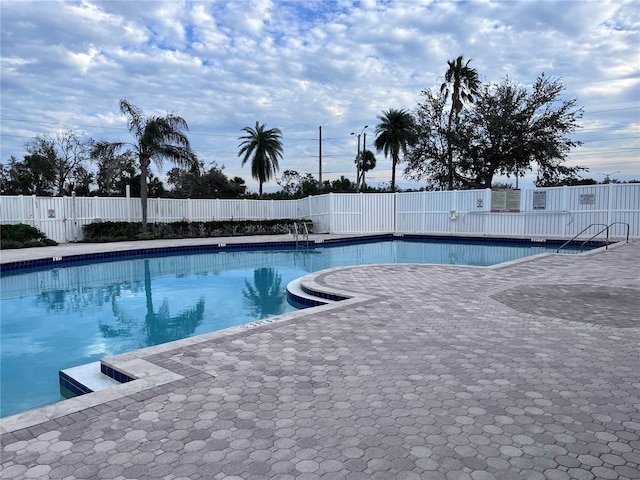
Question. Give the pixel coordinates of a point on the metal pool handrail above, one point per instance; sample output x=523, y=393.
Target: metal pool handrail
x=605, y=229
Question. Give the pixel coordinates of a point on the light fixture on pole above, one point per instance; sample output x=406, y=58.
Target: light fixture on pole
x=358, y=157
x=607, y=175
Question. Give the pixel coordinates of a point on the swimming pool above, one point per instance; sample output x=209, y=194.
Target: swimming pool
x=56, y=318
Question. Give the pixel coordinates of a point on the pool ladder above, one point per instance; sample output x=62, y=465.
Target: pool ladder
x=605, y=229
x=300, y=229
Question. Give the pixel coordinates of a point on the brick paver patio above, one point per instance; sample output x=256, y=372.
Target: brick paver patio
x=528, y=370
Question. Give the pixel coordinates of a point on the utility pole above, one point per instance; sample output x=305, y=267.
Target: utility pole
x=364, y=149
x=358, y=135
x=320, y=156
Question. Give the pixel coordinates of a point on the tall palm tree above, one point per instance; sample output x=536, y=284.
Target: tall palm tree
x=462, y=83
x=266, y=298
x=395, y=133
x=264, y=147
x=156, y=138
x=367, y=163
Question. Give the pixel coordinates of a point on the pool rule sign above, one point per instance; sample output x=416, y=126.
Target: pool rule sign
x=505, y=200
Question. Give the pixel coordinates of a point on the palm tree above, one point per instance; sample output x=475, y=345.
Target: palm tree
x=265, y=147
x=156, y=138
x=160, y=326
x=367, y=163
x=395, y=132
x=266, y=298
x=462, y=83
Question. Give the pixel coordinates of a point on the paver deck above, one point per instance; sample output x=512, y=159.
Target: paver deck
x=527, y=370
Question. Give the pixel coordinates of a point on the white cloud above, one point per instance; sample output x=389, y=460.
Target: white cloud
x=297, y=65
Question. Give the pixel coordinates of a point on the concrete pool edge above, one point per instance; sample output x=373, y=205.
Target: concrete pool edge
x=149, y=375
x=513, y=385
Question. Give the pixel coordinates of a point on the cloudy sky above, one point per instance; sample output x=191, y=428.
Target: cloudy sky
x=301, y=64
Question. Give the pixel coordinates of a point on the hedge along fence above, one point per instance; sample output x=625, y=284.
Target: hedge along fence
x=23, y=236
x=121, y=231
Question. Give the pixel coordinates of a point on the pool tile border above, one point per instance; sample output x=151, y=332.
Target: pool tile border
x=53, y=261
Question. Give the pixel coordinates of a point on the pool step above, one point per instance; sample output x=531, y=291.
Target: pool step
x=84, y=379
x=300, y=296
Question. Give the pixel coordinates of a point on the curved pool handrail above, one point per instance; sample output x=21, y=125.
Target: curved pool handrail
x=606, y=228
x=580, y=233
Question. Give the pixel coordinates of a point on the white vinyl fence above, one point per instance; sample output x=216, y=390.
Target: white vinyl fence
x=560, y=212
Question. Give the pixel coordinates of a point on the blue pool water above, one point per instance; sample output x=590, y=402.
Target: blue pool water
x=58, y=318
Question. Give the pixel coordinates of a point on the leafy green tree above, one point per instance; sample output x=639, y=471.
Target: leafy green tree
x=512, y=130
x=264, y=148
x=395, y=133
x=508, y=131
x=428, y=157
x=156, y=138
x=461, y=84
x=341, y=185
x=295, y=185
x=34, y=175
x=81, y=182
x=114, y=171
x=68, y=153
x=53, y=165
x=211, y=183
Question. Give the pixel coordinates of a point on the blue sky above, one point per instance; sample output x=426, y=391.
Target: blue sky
x=298, y=65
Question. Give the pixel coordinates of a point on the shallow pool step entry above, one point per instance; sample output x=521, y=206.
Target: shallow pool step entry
x=95, y=376
x=84, y=379
x=300, y=296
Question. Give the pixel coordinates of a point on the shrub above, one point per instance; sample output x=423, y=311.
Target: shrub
x=111, y=231
x=118, y=231
x=21, y=236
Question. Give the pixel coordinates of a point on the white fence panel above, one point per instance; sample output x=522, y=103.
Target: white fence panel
x=302, y=208
x=202, y=210
x=377, y=213
x=285, y=209
x=562, y=213
x=320, y=213
x=18, y=209
x=346, y=213
x=411, y=213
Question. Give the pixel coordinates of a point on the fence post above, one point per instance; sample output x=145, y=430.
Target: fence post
x=395, y=212
x=331, y=226
x=454, y=206
x=486, y=207
x=361, y=208
x=22, y=216
x=74, y=216
x=37, y=215
x=609, y=202
x=421, y=226
x=565, y=195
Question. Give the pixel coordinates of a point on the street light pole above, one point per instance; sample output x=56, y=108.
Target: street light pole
x=607, y=175
x=358, y=135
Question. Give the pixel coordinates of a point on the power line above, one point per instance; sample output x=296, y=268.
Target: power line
x=637, y=137
x=612, y=110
